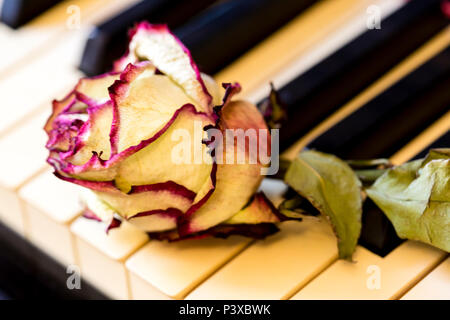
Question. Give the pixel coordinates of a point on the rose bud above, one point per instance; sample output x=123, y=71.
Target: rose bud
x=147, y=141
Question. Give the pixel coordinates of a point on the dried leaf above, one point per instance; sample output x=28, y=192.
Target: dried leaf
x=416, y=198
x=334, y=189
x=273, y=109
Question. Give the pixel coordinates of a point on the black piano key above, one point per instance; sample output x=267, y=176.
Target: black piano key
x=384, y=125
x=16, y=13
x=377, y=232
x=316, y=94
x=229, y=29
x=108, y=41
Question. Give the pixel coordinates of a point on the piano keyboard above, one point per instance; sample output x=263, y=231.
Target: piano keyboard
x=306, y=57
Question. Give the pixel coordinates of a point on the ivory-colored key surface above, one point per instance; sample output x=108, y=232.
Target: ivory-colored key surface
x=140, y=289
x=373, y=277
x=49, y=206
x=22, y=157
x=176, y=268
x=101, y=256
x=276, y=267
x=435, y=286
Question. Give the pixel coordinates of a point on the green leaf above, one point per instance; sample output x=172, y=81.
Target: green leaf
x=416, y=198
x=332, y=188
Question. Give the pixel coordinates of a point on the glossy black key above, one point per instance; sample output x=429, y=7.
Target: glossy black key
x=377, y=232
x=383, y=126
x=15, y=13
x=108, y=41
x=229, y=29
x=316, y=94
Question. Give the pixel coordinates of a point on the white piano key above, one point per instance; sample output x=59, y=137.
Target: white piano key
x=435, y=286
x=50, y=205
x=102, y=256
x=23, y=151
x=23, y=155
x=38, y=83
x=373, y=277
x=277, y=267
x=41, y=34
x=142, y=290
x=11, y=211
x=28, y=87
x=174, y=269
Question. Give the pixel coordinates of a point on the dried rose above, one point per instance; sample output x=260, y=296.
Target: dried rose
x=145, y=139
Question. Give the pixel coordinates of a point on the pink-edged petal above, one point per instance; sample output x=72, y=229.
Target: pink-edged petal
x=59, y=107
x=260, y=210
x=89, y=214
x=177, y=155
x=115, y=223
x=258, y=220
x=94, y=90
x=144, y=103
x=156, y=220
x=209, y=186
x=93, y=136
x=96, y=169
x=236, y=182
x=213, y=88
x=105, y=204
x=255, y=231
x=157, y=44
x=128, y=205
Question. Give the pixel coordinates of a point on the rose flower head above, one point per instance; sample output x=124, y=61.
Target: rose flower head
x=154, y=143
